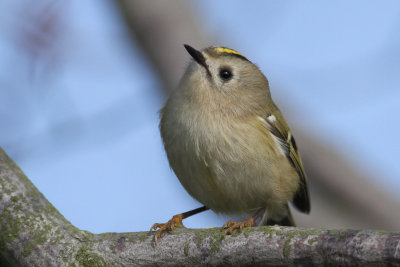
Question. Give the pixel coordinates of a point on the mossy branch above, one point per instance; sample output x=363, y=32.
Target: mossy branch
x=34, y=233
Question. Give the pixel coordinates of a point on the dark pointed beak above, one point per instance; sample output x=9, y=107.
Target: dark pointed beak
x=197, y=56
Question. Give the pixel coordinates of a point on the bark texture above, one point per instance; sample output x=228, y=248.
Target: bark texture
x=34, y=233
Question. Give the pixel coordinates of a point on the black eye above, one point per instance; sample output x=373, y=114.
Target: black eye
x=225, y=74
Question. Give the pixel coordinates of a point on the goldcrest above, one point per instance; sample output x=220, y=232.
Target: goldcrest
x=228, y=143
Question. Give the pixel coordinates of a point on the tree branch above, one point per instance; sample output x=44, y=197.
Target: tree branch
x=34, y=233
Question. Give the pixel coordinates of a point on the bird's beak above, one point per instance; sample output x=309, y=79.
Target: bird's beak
x=197, y=56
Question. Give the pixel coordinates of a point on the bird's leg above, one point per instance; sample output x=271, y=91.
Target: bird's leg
x=250, y=222
x=175, y=221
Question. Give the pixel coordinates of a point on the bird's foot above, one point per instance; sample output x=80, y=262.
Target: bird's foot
x=232, y=226
x=170, y=225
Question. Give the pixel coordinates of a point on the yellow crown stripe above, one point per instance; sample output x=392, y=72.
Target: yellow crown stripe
x=228, y=50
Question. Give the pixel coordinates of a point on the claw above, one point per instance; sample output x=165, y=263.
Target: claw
x=170, y=225
x=228, y=224
x=232, y=226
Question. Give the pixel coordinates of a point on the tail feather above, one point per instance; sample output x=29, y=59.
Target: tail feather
x=283, y=218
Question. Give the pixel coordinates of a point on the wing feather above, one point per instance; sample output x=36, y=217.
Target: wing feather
x=280, y=130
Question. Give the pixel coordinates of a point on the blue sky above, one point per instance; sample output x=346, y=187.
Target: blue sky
x=86, y=131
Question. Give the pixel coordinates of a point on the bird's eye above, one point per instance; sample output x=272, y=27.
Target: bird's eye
x=225, y=74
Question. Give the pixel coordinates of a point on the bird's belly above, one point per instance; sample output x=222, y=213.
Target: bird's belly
x=232, y=171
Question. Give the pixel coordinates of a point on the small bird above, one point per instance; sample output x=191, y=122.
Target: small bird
x=229, y=145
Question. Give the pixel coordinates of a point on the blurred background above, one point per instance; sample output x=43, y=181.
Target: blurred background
x=81, y=83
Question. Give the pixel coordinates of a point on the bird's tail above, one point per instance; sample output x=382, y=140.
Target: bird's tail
x=283, y=218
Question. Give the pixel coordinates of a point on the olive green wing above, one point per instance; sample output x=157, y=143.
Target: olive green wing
x=279, y=129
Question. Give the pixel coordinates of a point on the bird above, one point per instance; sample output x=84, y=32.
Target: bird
x=229, y=145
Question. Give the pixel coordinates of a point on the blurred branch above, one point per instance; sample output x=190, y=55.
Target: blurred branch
x=34, y=233
x=36, y=34
x=161, y=27
x=343, y=195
